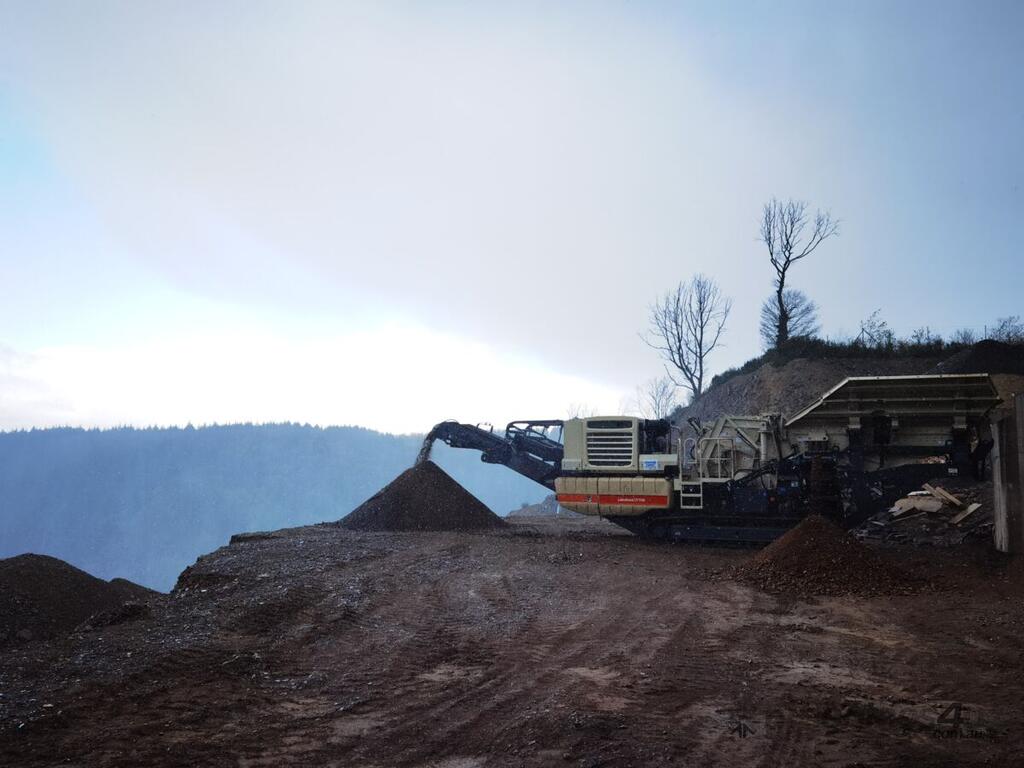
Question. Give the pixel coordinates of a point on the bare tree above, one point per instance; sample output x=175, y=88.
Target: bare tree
x=657, y=398
x=801, y=314
x=685, y=326
x=1009, y=329
x=965, y=336
x=923, y=336
x=784, y=231
x=580, y=411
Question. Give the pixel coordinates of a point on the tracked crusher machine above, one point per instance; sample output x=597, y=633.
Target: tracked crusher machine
x=742, y=478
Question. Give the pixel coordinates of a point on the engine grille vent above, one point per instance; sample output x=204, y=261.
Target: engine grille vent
x=610, y=448
x=815, y=446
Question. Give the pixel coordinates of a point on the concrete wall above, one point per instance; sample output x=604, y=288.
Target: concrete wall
x=1008, y=478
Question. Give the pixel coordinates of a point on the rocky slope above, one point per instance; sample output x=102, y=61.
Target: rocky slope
x=786, y=388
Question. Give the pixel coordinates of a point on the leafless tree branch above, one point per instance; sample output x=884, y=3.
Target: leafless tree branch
x=657, y=398
x=801, y=313
x=784, y=233
x=685, y=327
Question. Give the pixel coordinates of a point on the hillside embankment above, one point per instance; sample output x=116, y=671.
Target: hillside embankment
x=786, y=386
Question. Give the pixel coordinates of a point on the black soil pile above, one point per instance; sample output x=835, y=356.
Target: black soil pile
x=423, y=498
x=43, y=597
x=817, y=557
x=986, y=357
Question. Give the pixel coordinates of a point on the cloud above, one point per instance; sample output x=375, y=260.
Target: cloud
x=522, y=179
x=527, y=179
x=25, y=399
x=397, y=379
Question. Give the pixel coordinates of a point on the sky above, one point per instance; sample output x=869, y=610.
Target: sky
x=393, y=213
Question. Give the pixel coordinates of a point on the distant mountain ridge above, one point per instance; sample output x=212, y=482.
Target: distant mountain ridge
x=144, y=503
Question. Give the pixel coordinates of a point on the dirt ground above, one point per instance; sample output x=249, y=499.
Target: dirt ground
x=550, y=642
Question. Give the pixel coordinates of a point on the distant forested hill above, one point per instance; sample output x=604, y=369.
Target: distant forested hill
x=144, y=503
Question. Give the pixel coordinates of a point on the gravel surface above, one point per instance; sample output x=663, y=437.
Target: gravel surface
x=555, y=643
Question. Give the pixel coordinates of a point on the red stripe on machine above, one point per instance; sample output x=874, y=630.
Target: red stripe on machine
x=611, y=498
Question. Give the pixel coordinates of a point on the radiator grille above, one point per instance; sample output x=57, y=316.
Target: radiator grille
x=610, y=448
x=815, y=446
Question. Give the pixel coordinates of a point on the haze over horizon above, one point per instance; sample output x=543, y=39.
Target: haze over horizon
x=390, y=214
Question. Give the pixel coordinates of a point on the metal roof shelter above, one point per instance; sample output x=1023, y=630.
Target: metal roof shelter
x=925, y=397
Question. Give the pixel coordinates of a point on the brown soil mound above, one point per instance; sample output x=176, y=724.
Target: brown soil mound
x=818, y=557
x=43, y=597
x=423, y=498
x=986, y=356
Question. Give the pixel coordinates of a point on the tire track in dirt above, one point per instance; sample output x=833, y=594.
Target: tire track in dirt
x=554, y=649
x=507, y=650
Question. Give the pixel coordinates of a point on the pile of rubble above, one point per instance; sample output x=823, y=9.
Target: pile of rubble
x=424, y=498
x=932, y=516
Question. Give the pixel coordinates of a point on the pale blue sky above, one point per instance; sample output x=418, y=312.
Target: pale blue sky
x=219, y=211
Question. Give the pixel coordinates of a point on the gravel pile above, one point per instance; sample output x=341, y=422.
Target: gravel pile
x=423, y=498
x=818, y=557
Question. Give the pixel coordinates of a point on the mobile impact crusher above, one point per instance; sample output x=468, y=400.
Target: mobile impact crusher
x=743, y=478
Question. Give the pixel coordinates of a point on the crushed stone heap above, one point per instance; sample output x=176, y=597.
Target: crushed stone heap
x=818, y=557
x=42, y=597
x=423, y=498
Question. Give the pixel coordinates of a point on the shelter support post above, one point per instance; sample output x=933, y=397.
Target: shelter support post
x=1008, y=478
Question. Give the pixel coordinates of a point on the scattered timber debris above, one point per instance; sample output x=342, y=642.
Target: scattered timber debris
x=931, y=516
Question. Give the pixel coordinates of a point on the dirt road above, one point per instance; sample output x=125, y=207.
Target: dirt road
x=552, y=643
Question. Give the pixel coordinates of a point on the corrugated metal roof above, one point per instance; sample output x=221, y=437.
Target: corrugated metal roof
x=926, y=394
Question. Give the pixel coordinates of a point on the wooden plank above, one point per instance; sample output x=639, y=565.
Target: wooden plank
x=902, y=505
x=941, y=493
x=906, y=506
x=900, y=508
x=952, y=499
x=965, y=514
